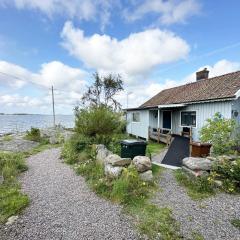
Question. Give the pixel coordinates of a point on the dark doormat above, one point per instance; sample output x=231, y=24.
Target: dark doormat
x=178, y=150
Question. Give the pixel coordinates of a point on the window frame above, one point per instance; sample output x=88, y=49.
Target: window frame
x=192, y=126
x=133, y=118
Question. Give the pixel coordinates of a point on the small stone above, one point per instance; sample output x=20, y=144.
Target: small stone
x=11, y=220
x=116, y=160
x=142, y=163
x=112, y=172
x=194, y=173
x=195, y=163
x=146, y=176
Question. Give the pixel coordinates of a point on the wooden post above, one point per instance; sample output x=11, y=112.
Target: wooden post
x=158, y=134
x=190, y=145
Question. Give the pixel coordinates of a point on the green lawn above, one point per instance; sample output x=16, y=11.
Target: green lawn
x=154, y=148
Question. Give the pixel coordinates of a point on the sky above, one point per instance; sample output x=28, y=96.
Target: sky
x=153, y=44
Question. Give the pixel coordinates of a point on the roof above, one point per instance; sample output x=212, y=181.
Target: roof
x=216, y=88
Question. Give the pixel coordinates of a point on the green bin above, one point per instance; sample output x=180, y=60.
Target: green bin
x=131, y=148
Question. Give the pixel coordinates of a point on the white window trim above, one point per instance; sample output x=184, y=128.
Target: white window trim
x=139, y=117
x=181, y=118
x=162, y=120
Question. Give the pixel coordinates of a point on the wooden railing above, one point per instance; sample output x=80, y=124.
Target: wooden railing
x=160, y=135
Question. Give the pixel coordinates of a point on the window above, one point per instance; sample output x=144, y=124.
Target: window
x=188, y=119
x=136, y=117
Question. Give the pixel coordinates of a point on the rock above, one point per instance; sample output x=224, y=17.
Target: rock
x=194, y=173
x=146, y=176
x=227, y=157
x=212, y=158
x=195, y=163
x=53, y=140
x=142, y=163
x=112, y=172
x=102, y=153
x=11, y=220
x=218, y=183
x=116, y=160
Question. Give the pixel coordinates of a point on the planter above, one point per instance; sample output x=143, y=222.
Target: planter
x=200, y=149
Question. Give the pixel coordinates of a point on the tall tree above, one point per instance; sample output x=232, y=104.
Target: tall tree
x=103, y=91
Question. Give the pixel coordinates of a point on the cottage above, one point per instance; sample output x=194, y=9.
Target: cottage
x=183, y=110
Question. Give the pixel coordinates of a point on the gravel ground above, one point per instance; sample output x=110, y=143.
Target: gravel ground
x=210, y=217
x=63, y=207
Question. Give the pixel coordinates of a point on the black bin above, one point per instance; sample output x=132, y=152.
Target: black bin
x=131, y=148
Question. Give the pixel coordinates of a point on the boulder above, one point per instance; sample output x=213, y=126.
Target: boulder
x=142, y=163
x=195, y=163
x=146, y=176
x=116, y=160
x=194, y=173
x=102, y=153
x=112, y=172
x=212, y=158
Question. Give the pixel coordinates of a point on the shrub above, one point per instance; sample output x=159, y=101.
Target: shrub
x=218, y=131
x=99, y=123
x=229, y=173
x=33, y=135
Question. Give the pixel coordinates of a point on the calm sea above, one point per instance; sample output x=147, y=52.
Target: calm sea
x=20, y=123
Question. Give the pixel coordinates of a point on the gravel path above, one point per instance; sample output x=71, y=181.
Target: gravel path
x=63, y=207
x=210, y=217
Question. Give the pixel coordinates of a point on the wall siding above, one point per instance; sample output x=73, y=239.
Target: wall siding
x=236, y=107
x=139, y=129
x=203, y=111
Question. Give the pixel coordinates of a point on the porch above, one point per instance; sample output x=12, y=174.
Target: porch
x=165, y=122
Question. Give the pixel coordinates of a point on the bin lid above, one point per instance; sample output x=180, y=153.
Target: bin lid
x=133, y=142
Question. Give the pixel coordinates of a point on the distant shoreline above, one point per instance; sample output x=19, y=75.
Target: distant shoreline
x=24, y=114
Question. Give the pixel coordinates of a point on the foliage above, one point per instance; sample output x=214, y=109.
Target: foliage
x=98, y=123
x=236, y=223
x=103, y=91
x=12, y=201
x=33, y=135
x=229, y=173
x=197, y=188
x=218, y=131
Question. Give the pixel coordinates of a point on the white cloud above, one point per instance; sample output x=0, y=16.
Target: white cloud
x=88, y=10
x=143, y=92
x=135, y=55
x=167, y=12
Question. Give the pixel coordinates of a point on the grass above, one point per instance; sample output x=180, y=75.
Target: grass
x=198, y=188
x=154, y=148
x=129, y=191
x=12, y=201
x=236, y=223
x=7, y=138
x=197, y=236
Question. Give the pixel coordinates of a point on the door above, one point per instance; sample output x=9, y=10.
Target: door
x=167, y=120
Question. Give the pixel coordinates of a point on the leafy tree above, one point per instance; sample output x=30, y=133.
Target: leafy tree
x=103, y=91
x=99, y=123
x=218, y=131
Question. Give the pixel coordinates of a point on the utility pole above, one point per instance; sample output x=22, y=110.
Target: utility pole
x=53, y=106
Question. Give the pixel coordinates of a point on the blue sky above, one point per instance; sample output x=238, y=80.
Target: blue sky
x=152, y=44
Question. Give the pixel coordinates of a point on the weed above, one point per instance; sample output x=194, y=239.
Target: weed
x=236, y=223
x=198, y=188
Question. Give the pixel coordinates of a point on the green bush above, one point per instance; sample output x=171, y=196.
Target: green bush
x=229, y=173
x=33, y=135
x=99, y=123
x=218, y=131
x=12, y=201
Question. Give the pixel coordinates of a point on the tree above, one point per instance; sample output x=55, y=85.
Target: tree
x=103, y=91
x=218, y=131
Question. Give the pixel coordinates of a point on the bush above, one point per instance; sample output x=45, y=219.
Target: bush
x=229, y=173
x=218, y=131
x=33, y=135
x=98, y=123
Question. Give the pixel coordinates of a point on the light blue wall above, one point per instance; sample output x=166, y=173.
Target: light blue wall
x=139, y=129
x=236, y=107
x=203, y=112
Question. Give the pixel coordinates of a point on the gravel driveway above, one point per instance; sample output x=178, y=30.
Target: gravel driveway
x=63, y=207
x=210, y=217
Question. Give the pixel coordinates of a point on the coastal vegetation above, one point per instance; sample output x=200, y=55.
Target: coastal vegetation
x=12, y=201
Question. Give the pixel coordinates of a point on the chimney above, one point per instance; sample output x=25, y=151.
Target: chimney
x=203, y=74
